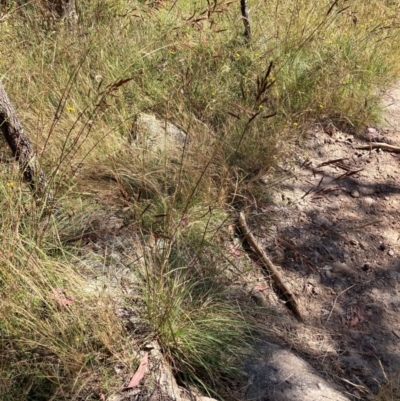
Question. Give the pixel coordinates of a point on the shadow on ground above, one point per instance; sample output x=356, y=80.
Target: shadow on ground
x=334, y=228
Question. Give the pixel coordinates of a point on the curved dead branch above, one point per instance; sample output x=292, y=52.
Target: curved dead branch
x=288, y=295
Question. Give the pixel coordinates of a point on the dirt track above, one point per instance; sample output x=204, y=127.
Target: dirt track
x=334, y=226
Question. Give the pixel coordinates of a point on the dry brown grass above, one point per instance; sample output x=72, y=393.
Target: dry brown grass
x=78, y=90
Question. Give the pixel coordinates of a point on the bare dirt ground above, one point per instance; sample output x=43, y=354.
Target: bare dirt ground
x=334, y=227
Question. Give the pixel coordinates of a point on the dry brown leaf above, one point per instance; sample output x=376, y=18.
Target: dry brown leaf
x=309, y=289
x=60, y=296
x=139, y=374
x=234, y=249
x=353, y=321
x=357, y=315
x=259, y=288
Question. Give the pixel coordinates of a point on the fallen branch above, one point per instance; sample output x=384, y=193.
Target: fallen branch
x=380, y=145
x=291, y=300
x=20, y=146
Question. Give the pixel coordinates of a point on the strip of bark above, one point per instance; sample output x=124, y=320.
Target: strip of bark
x=270, y=267
x=20, y=146
x=380, y=145
x=245, y=17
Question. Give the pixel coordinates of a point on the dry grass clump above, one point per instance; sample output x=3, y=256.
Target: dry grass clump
x=390, y=391
x=202, y=332
x=56, y=341
x=79, y=89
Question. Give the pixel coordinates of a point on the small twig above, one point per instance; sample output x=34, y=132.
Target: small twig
x=334, y=302
x=362, y=226
x=270, y=266
x=380, y=145
x=357, y=386
x=383, y=369
x=396, y=334
x=334, y=161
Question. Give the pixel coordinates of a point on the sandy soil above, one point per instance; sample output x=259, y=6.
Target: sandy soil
x=334, y=227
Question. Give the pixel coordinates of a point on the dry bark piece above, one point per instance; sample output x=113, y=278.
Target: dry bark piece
x=357, y=314
x=20, y=146
x=270, y=267
x=245, y=17
x=139, y=374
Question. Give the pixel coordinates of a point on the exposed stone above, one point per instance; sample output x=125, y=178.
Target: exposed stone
x=354, y=193
x=353, y=241
x=343, y=269
x=157, y=135
x=367, y=201
x=279, y=375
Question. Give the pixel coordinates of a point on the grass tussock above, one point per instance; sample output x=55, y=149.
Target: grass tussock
x=80, y=88
x=390, y=391
x=190, y=313
x=51, y=330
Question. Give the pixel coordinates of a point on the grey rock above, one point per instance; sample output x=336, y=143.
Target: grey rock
x=353, y=241
x=368, y=201
x=343, y=269
x=157, y=135
x=279, y=375
x=354, y=193
x=372, y=131
x=316, y=290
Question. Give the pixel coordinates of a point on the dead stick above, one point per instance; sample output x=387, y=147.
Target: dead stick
x=269, y=266
x=380, y=145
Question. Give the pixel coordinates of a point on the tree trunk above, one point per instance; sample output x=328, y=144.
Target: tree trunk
x=20, y=145
x=245, y=16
